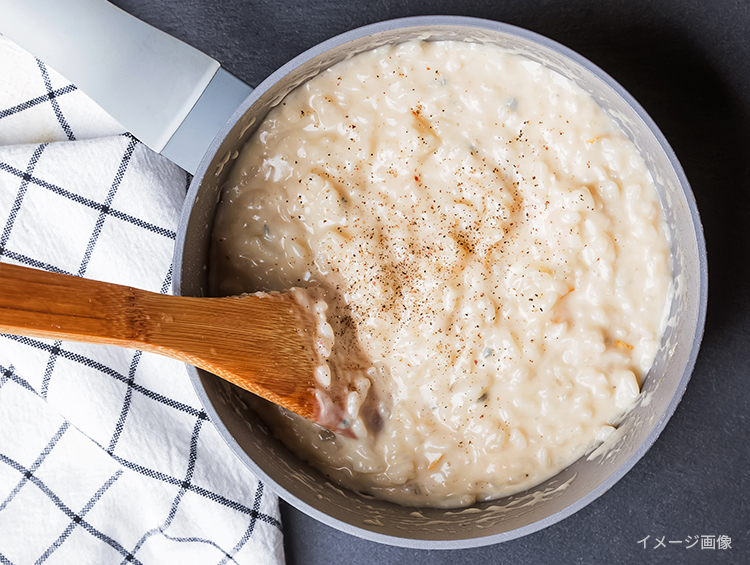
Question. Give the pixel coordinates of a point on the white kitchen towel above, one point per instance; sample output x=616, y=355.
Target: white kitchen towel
x=106, y=455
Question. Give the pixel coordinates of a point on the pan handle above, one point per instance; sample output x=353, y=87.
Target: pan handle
x=169, y=95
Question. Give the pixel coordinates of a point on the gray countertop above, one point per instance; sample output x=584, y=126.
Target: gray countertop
x=688, y=64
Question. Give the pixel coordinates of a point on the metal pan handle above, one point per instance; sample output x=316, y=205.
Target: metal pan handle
x=169, y=95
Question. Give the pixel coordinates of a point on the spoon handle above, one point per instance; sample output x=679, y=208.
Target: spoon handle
x=51, y=305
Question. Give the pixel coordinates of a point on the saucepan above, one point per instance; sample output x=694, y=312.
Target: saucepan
x=229, y=408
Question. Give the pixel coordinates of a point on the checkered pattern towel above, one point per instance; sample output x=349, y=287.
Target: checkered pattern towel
x=105, y=454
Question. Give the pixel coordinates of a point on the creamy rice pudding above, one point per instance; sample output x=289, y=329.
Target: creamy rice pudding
x=490, y=250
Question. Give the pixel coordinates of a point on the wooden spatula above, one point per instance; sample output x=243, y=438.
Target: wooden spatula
x=264, y=344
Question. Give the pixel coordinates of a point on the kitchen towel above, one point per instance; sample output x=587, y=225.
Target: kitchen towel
x=106, y=455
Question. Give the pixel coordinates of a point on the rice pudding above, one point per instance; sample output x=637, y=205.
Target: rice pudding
x=488, y=245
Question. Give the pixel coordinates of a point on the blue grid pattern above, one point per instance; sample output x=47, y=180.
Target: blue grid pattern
x=106, y=455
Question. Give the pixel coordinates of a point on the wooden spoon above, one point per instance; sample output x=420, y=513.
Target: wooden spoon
x=264, y=344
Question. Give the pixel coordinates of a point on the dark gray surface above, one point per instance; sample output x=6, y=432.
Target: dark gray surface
x=688, y=63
